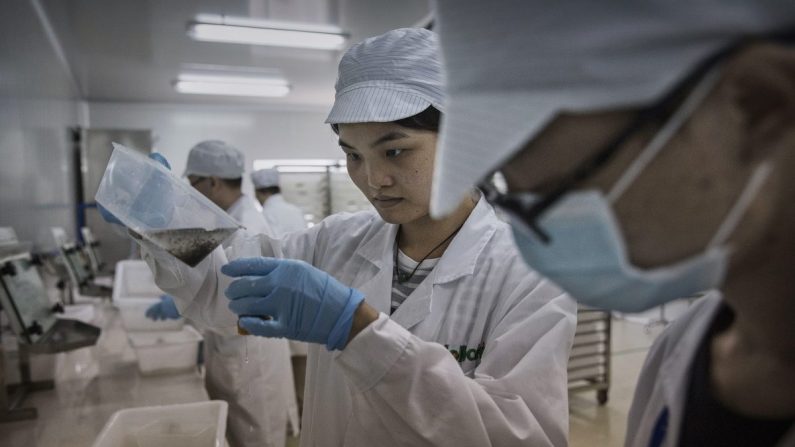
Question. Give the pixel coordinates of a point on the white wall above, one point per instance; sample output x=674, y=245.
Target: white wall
x=39, y=102
x=259, y=132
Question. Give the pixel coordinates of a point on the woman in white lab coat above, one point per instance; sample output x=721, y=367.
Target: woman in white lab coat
x=474, y=354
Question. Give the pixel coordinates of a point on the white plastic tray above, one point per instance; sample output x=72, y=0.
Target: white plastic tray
x=200, y=424
x=166, y=351
x=134, y=290
x=81, y=312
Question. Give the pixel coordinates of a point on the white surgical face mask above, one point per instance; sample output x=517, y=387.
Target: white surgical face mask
x=587, y=255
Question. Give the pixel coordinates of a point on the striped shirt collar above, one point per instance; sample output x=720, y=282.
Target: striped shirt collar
x=461, y=256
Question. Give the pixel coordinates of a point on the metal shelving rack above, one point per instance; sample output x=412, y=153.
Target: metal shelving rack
x=589, y=363
x=318, y=187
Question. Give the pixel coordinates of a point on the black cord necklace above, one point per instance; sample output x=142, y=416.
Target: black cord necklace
x=403, y=277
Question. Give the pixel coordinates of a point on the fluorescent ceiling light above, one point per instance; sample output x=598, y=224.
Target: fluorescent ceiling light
x=298, y=163
x=236, y=79
x=232, y=85
x=301, y=170
x=219, y=28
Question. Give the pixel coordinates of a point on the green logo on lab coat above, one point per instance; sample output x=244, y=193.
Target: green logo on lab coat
x=464, y=353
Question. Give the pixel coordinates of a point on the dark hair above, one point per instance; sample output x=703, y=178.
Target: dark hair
x=269, y=190
x=233, y=182
x=428, y=119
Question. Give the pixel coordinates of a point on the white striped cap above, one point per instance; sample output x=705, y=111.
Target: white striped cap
x=513, y=65
x=389, y=77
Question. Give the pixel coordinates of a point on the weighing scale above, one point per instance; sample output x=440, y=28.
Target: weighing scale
x=32, y=318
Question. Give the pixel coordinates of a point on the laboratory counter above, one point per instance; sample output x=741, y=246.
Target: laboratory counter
x=90, y=385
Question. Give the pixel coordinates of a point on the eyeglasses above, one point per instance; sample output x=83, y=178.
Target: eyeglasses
x=530, y=207
x=196, y=182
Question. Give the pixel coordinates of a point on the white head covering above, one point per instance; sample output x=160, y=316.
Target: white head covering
x=389, y=77
x=512, y=65
x=213, y=158
x=265, y=178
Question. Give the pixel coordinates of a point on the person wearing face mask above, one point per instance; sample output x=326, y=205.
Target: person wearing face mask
x=420, y=331
x=647, y=150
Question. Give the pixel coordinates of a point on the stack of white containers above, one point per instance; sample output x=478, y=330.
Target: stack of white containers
x=345, y=196
x=308, y=191
x=161, y=346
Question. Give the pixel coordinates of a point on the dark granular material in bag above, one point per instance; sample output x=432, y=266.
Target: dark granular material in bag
x=189, y=245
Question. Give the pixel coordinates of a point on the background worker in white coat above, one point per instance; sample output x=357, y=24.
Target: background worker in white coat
x=423, y=332
x=252, y=374
x=282, y=217
x=648, y=150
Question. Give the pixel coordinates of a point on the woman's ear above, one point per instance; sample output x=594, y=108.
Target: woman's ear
x=761, y=84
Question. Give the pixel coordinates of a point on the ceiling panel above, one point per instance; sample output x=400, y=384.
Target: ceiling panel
x=132, y=51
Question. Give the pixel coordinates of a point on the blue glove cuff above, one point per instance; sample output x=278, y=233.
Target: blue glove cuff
x=338, y=336
x=108, y=216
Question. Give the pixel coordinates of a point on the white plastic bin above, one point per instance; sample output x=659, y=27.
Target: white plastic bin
x=166, y=351
x=200, y=424
x=134, y=290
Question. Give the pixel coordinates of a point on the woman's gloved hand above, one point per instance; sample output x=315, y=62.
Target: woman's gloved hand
x=153, y=204
x=303, y=302
x=164, y=310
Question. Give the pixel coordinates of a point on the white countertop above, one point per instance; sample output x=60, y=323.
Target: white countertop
x=93, y=383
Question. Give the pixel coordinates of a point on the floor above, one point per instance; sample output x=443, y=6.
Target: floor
x=75, y=412
x=594, y=425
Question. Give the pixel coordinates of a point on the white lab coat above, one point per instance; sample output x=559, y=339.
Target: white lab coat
x=396, y=383
x=283, y=218
x=259, y=392
x=665, y=377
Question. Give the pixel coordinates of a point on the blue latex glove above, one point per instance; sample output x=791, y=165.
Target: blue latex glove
x=160, y=158
x=164, y=310
x=108, y=216
x=305, y=303
x=151, y=198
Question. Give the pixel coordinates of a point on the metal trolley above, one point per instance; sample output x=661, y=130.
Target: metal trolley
x=589, y=363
